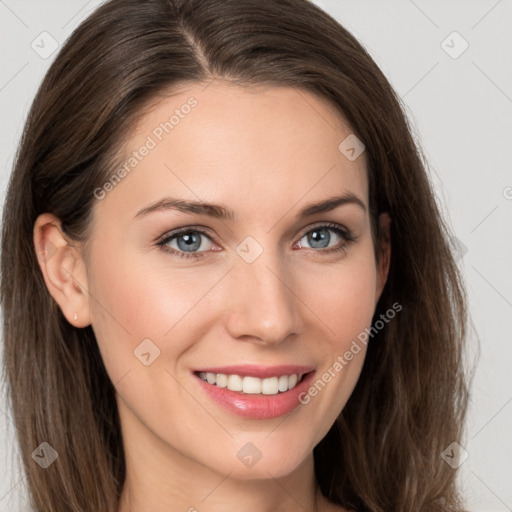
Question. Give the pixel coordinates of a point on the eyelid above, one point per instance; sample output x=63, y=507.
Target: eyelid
x=326, y=224
x=174, y=232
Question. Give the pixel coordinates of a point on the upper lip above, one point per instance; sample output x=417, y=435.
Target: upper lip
x=253, y=370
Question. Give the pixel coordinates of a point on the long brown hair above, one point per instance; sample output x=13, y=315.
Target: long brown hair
x=384, y=451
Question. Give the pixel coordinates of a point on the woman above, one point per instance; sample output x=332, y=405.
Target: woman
x=225, y=280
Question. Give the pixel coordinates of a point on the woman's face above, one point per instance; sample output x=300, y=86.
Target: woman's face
x=266, y=290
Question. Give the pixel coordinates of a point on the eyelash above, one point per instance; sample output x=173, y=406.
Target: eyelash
x=345, y=234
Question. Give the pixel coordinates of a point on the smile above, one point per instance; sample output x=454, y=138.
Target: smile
x=252, y=385
x=253, y=391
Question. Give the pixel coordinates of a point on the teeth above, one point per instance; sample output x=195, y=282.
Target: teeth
x=283, y=383
x=270, y=386
x=252, y=385
x=221, y=380
x=235, y=383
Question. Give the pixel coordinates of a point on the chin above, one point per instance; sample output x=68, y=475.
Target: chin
x=262, y=458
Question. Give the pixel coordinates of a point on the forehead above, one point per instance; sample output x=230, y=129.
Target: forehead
x=254, y=145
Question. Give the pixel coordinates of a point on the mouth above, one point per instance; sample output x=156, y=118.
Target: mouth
x=256, y=392
x=251, y=385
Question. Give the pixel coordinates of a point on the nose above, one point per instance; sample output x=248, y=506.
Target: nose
x=263, y=306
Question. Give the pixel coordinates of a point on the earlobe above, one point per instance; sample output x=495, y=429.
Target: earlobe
x=384, y=241
x=63, y=269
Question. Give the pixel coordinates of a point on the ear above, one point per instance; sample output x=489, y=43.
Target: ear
x=63, y=269
x=384, y=253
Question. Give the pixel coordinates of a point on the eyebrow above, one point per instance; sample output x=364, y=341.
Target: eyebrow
x=221, y=212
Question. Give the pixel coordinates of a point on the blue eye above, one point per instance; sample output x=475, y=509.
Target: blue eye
x=320, y=237
x=187, y=242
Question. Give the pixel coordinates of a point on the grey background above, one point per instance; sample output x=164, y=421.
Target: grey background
x=461, y=112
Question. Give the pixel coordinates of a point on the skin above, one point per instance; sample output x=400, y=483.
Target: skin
x=265, y=153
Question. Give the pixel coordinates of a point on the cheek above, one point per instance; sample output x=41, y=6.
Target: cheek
x=345, y=300
x=132, y=301
x=345, y=306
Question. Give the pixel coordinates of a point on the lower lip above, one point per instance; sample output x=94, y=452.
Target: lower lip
x=257, y=406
